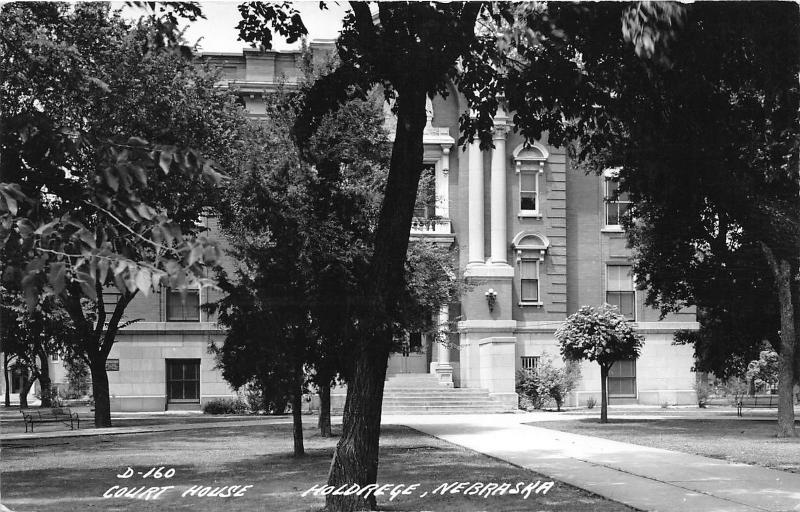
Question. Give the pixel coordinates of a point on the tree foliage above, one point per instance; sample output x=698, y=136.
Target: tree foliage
x=765, y=370
x=564, y=69
x=100, y=185
x=698, y=105
x=301, y=225
x=29, y=336
x=92, y=142
x=600, y=334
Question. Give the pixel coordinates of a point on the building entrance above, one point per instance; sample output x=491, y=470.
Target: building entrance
x=412, y=357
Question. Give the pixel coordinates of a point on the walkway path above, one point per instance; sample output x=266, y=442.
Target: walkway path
x=642, y=477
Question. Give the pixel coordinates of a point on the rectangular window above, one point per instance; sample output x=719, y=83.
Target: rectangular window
x=529, y=192
x=530, y=362
x=617, y=203
x=183, y=380
x=622, y=379
x=183, y=307
x=620, y=290
x=529, y=281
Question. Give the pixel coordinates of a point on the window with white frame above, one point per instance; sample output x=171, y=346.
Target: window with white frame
x=616, y=202
x=529, y=192
x=621, y=381
x=620, y=290
x=529, y=280
x=529, y=163
x=530, y=250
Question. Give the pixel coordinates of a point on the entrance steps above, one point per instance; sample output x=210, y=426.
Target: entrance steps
x=421, y=393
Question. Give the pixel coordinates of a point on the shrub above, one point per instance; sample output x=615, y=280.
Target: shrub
x=78, y=378
x=270, y=402
x=591, y=402
x=225, y=406
x=254, y=398
x=547, y=383
x=528, y=389
x=52, y=393
x=764, y=371
x=704, y=391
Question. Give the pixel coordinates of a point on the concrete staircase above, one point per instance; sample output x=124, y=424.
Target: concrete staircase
x=421, y=393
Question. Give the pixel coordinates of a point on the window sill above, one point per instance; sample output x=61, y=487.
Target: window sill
x=612, y=229
x=529, y=214
x=522, y=304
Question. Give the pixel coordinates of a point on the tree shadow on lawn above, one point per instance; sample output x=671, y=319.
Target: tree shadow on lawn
x=75, y=477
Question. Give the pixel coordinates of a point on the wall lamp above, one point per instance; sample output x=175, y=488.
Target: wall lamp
x=491, y=298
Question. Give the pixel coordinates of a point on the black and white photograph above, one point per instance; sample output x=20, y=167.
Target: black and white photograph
x=400, y=256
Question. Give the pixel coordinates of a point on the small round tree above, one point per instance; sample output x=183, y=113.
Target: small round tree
x=765, y=370
x=599, y=334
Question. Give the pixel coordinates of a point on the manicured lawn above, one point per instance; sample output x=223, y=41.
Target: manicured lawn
x=750, y=440
x=72, y=474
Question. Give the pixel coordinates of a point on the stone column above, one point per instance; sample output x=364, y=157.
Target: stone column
x=475, y=206
x=443, y=367
x=443, y=185
x=499, y=244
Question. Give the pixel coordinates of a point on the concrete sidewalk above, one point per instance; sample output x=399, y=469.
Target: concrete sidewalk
x=642, y=477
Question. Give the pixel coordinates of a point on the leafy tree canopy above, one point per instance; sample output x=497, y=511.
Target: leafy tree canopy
x=599, y=334
x=98, y=181
x=101, y=181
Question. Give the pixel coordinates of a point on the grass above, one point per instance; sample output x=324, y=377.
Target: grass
x=747, y=440
x=71, y=474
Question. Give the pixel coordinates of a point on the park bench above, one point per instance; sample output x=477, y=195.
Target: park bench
x=56, y=415
x=756, y=402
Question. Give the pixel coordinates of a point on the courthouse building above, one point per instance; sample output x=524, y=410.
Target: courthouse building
x=535, y=237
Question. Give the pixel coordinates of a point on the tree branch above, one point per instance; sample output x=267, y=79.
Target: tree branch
x=113, y=324
x=101, y=309
x=363, y=17
x=146, y=240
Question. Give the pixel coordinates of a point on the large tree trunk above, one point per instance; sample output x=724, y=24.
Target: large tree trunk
x=44, y=380
x=96, y=344
x=782, y=271
x=604, y=393
x=355, y=459
x=27, y=382
x=324, y=422
x=100, y=393
x=5, y=380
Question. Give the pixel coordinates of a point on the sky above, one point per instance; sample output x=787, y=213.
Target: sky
x=217, y=33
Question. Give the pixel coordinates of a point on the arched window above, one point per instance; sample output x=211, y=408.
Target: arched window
x=529, y=249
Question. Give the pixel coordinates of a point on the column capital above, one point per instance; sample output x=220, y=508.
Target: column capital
x=500, y=131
